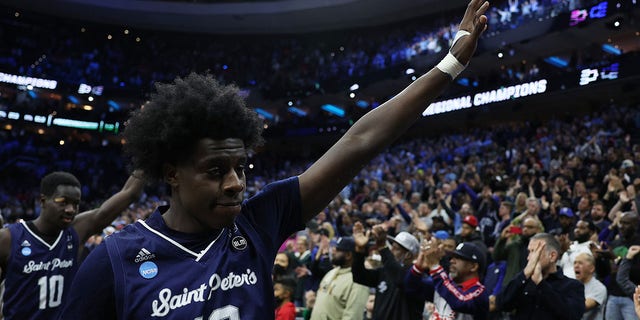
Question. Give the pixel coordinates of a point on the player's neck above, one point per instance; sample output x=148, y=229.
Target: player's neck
x=46, y=228
x=44, y=231
x=184, y=224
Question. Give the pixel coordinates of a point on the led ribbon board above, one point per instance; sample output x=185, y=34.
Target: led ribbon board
x=492, y=96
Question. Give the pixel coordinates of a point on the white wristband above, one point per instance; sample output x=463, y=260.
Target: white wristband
x=450, y=65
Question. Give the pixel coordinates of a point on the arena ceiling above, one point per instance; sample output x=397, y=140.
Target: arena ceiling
x=255, y=17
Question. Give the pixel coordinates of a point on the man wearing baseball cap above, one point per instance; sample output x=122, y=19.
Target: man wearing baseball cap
x=338, y=297
x=469, y=233
x=391, y=302
x=457, y=295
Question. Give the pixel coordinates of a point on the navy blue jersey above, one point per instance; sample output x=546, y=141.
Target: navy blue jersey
x=148, y=271
x=38, y=275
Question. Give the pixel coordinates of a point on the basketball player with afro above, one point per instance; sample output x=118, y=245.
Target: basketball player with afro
x=209, y=253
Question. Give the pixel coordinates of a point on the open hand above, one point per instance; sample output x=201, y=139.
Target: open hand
x=430, y=254
x=533, y=258
x=360, y=237
x=475, y=22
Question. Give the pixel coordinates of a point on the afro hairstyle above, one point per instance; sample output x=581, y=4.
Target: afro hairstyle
x=168, y=127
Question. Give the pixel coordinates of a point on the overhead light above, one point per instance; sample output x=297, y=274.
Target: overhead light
x=113, y=105
x=264, y=113
x=333, y=109
x=409, y=71
x=354, y=87
x=556, y=62
x=297, y=112
x=611, y=49
x=362, y=104
x=73, y=99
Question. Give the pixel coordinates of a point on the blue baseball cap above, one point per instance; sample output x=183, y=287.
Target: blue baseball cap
x=441, y=234
x=567, y=212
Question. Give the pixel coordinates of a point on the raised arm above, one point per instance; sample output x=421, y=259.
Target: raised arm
x=381, y=126
x=93, y=221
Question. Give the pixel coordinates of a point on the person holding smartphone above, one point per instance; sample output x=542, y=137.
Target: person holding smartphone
x=512, y=246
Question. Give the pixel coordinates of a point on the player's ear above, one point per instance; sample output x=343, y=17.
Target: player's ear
x=170, y=174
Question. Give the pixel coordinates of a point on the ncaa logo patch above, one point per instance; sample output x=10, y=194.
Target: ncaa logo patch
x=239, y=243
x=26, y=251
x=148, y=270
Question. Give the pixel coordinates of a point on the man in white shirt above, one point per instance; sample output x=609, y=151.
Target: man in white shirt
x=595, y=293
x=583, y=232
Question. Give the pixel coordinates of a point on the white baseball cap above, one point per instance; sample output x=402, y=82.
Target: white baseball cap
x=407, y=241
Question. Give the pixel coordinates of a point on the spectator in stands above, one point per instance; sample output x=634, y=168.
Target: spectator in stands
x=627, y=172
x=513, y=244
x=583, y=211
x=468, y=233
x=595, y=293
x=598, y=215
x=456, y=294
x=504, y=213
x=533, y=210
x=283, y=289
x=338, y=297
x=567, y=222
x=284, y=265
x=619, y=303
x=392, y=302
x=627, y=276
x=541, y=291
x=584, y=232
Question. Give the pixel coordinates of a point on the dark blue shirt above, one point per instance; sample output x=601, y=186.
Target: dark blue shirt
x=148, y=271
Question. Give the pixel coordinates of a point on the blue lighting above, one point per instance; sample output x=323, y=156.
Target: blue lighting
x=297, y=112
x=73, y=99
x=362, y=104
x=113, y=105
x=463, y=82
x=556, y=62
x=32, y=94
x=335, y=110
x=267, y=115
x=611, y=49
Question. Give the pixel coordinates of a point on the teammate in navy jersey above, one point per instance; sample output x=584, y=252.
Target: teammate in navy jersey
x=39, y=258
x=209, y=253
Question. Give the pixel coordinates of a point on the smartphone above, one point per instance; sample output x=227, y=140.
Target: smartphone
x=515, y=230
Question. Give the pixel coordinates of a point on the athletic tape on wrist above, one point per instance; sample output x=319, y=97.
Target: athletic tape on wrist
x=450, y=65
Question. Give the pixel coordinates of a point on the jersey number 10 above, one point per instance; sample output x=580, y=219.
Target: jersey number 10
x=51, y=291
